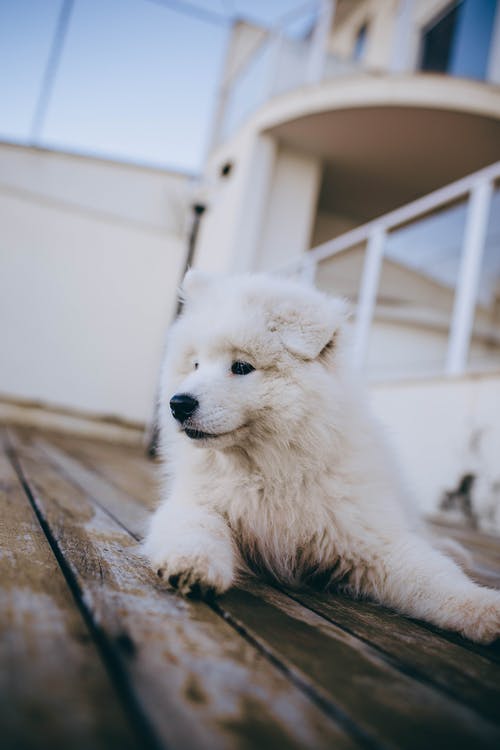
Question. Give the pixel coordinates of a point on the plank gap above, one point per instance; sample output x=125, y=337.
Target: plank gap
x=328, y=706
x=391, y=659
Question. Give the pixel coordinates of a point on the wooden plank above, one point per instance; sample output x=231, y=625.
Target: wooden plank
x=125, y=467
x=200, y=683
x=484, y=563
x=468, y=676
x=118, y=503
x=394, y=708
x=54, y=690
x=470, y=538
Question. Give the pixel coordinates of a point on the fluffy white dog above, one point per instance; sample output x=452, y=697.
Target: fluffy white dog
x=275, y=466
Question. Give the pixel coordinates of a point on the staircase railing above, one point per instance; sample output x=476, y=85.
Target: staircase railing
x=477, y=190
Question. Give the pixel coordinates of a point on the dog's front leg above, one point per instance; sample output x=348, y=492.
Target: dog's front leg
x=418, y=580
x=191, y=547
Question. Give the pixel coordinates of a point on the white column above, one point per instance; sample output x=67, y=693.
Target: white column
x=319, y=42
x=401, y=45
x=468, y=279
x=236, y=208
x=254, y=206
x=368, y=293
x=289, y=209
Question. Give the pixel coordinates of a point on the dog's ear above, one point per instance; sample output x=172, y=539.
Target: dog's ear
x=305, y=331
x=194, y=283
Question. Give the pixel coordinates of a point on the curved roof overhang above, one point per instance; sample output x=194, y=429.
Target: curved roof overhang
x=385, y=139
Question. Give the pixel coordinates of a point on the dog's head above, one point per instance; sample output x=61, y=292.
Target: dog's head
x=250, y=358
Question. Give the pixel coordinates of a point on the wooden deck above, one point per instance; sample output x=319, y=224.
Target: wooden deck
x=95, y=653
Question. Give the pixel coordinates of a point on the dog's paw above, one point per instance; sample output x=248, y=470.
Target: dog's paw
x=196, y=576
x=191, y=550
x=189, y=583
x=481, y=618
x=192, y=574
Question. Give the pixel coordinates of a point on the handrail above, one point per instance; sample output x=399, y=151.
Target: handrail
x=478, y=188
x=395, y=218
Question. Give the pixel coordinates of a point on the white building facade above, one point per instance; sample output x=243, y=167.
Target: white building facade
x=364, y=155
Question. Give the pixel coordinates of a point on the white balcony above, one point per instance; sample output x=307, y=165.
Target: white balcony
x=284, y=61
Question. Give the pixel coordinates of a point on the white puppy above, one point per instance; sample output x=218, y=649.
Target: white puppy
x=275, y=466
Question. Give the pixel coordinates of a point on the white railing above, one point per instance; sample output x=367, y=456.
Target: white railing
x=477, y=188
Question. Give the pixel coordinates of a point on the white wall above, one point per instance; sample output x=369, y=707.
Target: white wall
x=380, y=17
x=327, y=226
x=290, y=209
x=91, y=253
x=261, y=215
x=442, y=429
x=232, y=224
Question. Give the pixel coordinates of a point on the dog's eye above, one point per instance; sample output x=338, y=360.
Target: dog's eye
x=241, y=368
x=195, y=365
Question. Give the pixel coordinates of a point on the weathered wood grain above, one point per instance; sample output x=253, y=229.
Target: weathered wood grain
x=347, y=674
x=54, y=690
x=125, y=467
x=470, y=677
x=394, y=708
x=471, y=538
x=483, y=549
x=201, y=684
x=124, y=508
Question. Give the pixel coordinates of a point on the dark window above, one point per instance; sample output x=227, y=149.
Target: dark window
x=438, y=42
x=458, y=41
x=360, y=43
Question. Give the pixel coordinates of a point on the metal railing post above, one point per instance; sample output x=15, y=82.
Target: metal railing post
x=368, y=293
x=468, y=277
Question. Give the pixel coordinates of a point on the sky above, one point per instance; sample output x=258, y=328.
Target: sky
x=137, y=79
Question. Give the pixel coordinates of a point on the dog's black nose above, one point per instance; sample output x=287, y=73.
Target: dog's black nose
x=182, y=405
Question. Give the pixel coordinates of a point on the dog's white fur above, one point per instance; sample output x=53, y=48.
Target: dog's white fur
x=297, y=482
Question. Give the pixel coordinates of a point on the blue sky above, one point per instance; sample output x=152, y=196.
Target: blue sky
x=137, y=80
